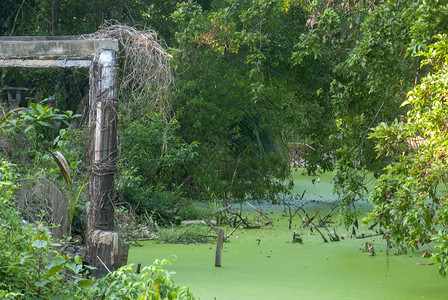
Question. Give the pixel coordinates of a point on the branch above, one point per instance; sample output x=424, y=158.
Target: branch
x=260, y=212
x=233, y=230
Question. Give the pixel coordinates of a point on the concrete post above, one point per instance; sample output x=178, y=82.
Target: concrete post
x=104, y=245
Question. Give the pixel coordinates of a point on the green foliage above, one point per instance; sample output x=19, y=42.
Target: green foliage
x=184, y=234
x=39, y=116
x=141, y=146
x=166, y=206
x=73, y=194
x=29, y=133
x=149, y=180
x=229, y=101
x=153, y=282
x=410, y=196
x=440, y=253
x=359, y=55
x=30, y=268
x=37, y=125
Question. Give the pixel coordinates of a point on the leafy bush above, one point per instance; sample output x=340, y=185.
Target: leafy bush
x=149, y=178
x=30, y=268
x=410, y=195
x=153, y=282
x=190, y=233
x=37, y=123
x=167, y=206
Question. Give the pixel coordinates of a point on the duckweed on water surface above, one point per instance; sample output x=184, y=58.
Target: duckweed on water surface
x=265, y=264
x=275, y=268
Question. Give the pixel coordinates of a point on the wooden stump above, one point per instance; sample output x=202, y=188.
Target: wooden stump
x=106, y=251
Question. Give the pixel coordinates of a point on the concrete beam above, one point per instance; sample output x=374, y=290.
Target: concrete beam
x=44, y=63
x=39, y=48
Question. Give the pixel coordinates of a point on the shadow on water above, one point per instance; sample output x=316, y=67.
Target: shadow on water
x=265, y=264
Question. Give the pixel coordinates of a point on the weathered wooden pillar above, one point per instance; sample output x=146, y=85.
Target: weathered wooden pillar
x=219, y=245
x=104, y=244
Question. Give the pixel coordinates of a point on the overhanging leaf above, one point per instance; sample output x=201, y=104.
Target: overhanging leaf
x=63, y=166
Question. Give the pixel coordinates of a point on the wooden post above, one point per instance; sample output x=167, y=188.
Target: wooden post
x=104, y=246
x=139, y=266
x=219, y=245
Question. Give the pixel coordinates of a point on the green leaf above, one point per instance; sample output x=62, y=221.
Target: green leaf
x=25, y=257
x=63, y=166
x=55, y=269
x=41, y=283
x=39, y=244
x=85, y=283
x=75, y=268
x=45, y=124
x=78, y=260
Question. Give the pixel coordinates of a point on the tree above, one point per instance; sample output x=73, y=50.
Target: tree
x=411, y=195
x=365, y=54
x=233, y=79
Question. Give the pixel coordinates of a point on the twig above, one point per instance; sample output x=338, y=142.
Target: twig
x=315, y=227
x=310, y=220
x=292, y=215
x=211, y=225
x=368, y=236
x=333, y=237
x=260, y=212
x=239, y=216
x=233, y=230
x=328, y=215
x=233, y=180
x=103, y=264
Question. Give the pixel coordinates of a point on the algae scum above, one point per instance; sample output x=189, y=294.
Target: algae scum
x=265, y=264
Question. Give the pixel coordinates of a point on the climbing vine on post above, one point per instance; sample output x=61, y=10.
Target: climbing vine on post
x=144, y=73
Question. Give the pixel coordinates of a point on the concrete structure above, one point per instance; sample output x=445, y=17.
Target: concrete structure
x=105, y=249
x=14, y=95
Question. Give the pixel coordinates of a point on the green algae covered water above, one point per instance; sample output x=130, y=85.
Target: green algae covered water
x=265, y=264
x=278, y=269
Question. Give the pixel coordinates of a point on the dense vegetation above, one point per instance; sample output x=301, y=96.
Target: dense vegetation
x=350, y=84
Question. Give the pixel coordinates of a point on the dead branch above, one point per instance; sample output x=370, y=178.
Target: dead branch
x=238, y=215
x=233, y=230
x=332, y=236
x=307, y=222
x=292, y=215
x=324, y=219
x=262, y=213
x=317, y=229
x=211, y=225
x=368, y=236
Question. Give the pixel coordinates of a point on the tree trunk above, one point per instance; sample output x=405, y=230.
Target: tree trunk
x=54, y=16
